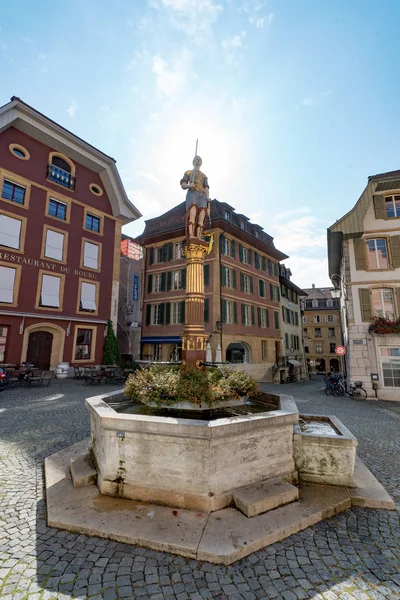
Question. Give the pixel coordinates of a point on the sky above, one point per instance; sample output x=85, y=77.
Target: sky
x=294, y=102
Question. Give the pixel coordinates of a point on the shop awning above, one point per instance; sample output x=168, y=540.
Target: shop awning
x=162, y=339
x=294, y=362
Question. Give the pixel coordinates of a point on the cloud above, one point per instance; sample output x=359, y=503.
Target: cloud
x=148, y=177
x=170, y=79
x=315, y=99
x=194, y=18
x=232, y=46
x=72, y=108
x=261, y=22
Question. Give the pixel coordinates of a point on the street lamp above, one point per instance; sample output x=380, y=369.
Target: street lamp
x=219, y=325
x=337, y=291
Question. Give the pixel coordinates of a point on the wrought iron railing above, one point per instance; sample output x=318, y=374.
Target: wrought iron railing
x=60, y=176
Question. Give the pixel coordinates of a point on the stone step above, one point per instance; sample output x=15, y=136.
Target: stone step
x=259, y=499
x=82, y=471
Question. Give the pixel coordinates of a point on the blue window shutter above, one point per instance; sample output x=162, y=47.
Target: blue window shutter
x=162, y=313
x=267, y=317
x=259, y=316
x=241, y=281
x=223, y=281
x=222, y=243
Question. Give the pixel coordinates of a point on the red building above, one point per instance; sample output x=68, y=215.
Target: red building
x=62, y=206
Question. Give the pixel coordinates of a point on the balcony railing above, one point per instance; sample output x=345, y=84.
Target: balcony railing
x=60, y=176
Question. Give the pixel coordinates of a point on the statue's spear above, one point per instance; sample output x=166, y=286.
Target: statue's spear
x=192, y=177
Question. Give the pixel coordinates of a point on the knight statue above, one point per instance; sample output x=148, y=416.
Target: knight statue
x=197, y=199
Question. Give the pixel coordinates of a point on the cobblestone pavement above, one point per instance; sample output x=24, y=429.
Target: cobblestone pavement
x=355, y=555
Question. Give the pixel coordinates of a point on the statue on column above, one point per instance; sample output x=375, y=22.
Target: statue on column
x=197, y=199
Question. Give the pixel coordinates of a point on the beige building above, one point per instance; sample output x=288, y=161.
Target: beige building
x=364, y=264
x=322, y=331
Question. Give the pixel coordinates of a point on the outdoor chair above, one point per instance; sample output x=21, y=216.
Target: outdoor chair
x=35, y=377
x=13, y=377
x=47, y=377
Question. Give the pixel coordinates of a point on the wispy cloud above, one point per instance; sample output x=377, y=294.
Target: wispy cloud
x=171, y=78
x=194, y=18
x=72, y=108
x=148, y=177
x=261, y=22
x=232, y=47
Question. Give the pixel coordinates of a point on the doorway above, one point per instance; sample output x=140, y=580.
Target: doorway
x=39, y=349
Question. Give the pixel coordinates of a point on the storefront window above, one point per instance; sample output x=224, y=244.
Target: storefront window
x=390, y=361
x=3, y=342
x=83, y=344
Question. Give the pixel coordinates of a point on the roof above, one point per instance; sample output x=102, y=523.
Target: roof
x=387, y=175
x=27, y=119
x=292, y=286
x=315, y=293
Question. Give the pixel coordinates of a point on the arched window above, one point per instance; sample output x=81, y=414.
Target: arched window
x=61, y=163
x=238, y=352
x=61, y=170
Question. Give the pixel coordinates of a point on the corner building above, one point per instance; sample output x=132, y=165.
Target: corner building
x=242, y=292
x=62, y=205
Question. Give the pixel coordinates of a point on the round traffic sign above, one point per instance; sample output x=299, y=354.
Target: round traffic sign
x=340, y=350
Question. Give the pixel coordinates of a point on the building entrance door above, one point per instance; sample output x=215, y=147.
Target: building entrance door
x=39, y=349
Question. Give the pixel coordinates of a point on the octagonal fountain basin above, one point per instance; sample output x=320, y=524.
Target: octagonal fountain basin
x=187, y=459
x=324, y=450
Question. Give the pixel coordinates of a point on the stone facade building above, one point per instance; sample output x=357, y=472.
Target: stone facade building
x=322, y=331
x=129, y=305
x=242, y=292
x=62, y=206
x=364, y=265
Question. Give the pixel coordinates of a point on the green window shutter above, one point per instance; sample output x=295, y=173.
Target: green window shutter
x=241, y=281
x=261, y=288
x=184, y=279
x=380, y=207
x=264, y=263
x=182, y=309
x=276, y=320
x=256, y=260
x=233, y=249
x=151, y=256
x=250, y=256
x=149, y=284
x=296, y=318
x=365, y=304
x=164, y=253
x=252, y=316
x=251, y=286
x=270, y=267
x=278, y=292
x=259, y=316
x=235, y=313
x=206, y=310
x=170, y=249
x=234, y=279
x=223, y=278
x=163, y=278
x=277, y=269
x=168, y=313
x=169, y=281
x=240, y=252
x=223, y=311
x=286, y=340
x=395, y=247
x=222, y=243
x=359, y=252
x=206, y=274
x=283, y=313
x=162, y=313
x=267, y=317
x=271, y=291
x=243, y=315
x=148, y=314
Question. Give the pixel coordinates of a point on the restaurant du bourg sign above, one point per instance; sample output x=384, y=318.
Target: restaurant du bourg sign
x=43, y=264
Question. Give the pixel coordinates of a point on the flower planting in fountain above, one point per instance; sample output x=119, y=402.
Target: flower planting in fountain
x=382, y=326
x=167, y=386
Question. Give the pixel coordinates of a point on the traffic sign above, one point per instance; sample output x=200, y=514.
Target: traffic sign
x=340, y=350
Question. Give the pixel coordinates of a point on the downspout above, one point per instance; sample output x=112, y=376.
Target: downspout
x=220, y=294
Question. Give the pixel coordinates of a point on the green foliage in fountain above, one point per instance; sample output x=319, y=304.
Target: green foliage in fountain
x=168, y=386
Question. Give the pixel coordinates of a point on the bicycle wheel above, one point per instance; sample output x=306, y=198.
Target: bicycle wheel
x=360, y=393
x=328, y=391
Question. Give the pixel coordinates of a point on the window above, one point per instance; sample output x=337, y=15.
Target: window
x=304, y=319
x=262, y=317
x=246, y=284
x=305, y=332
x=377, y=254
x=257, y=234
x=274, y=292
x=61, y=170
x=227, y=247
x=227, y=215
x=287, y=341
x=13, y=192
x=261, y=288
x=392, y=206
x=227, y=277
x=332, y=348
x=156, y=314
x=329, y=303
x=245, y=255
x=54, y=245
x=317, y=319
x=178, y=248
x=270, y=267
x=57, y=209
x=10, y=232
x=88, y=294
x=390, y=361
x=247, y=314
x=276, y=320
x=19, y=151
x=331, y=332
x=318, y=332
x=264, y=350
x=176, y=316
x=159, y=254
x=92, y=223
x=157, y=283
x=96, y=189
x=331, y=318
x=83, y=345
x=7, y=282
x=306, y=348
x=90, y=256
x=177, y=280
x=243, y=225
x=318, y=348
x=229, y=312
x=3, y=342
x=383, y=303
x=50, y=291
x=314, y=303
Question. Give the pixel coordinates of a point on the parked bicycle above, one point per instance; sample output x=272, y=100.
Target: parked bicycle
x=340, y=387
x=356, y=390
x=332, y=385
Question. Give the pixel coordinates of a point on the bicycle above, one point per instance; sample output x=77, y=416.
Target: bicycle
x=332, y=385
x=356, y=390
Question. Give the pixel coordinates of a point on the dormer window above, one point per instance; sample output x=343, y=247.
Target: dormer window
x=392, y=206
x=257, y=234
x=61, y=170
x=243, y=225
x=314, y=303
x=227, y=216
x=329, y=303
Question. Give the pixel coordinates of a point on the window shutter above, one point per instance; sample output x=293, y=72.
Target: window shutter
x=164, y=253
x=223, y=280
x=235, y=313
x=240, y=252
x=7, y=281
x=243, y=315
x=365, y=304
x=250, y=256
x=168, y=313
x=359, y=253
x=233, y=249
x=10, y=231
x=296, y=318
x=251, y=286
x=150, y=284
x=162, y=313
x=283, y=313
x=252, y=316
x=88, y=296
x=271, y=291
x=170, y=251
x=163, y=278
x=267, y=317
x=206, y=310
x=264, y=263
x=395, y=247
x=54, y=246
x=182, y=310
x=223, y=306
x=234, y=279
x=151, y=256
x=277, y=269
x=241, y=282
x=256, y=260
x=398, y=303
x=148, y=314
x=222, y=243
x=206, y=275
x=261, y=288
x=184, y=279
x=169, y=281
x=278, y=294
x=90, y=255
x=259, y=316
x=380, y=207
x=276, y=319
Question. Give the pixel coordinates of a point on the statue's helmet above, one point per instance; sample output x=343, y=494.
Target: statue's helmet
x=197, y=161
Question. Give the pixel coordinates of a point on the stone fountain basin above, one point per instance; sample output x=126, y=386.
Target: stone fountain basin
x=189, y=463
x=324, y=450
